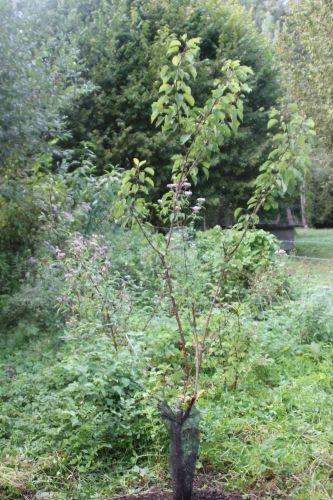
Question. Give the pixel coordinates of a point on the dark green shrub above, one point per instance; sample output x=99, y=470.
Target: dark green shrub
x=122, y=45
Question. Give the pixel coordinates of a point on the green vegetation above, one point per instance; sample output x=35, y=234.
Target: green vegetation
x=268, y=15
x=129, y=321
x=38, y=79
x=79, y=421
x=125, y=70
x=306, y=45
x=315, y=243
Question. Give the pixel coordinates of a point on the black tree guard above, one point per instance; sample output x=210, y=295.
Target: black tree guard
x=184, y=446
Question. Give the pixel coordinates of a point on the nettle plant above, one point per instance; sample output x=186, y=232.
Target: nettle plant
x=202, y=132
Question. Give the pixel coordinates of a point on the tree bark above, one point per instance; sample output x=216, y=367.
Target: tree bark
x=303, y=204
x=290, y=217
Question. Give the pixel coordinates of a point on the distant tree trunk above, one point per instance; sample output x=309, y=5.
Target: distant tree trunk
x=303, y=203
x=290, y=217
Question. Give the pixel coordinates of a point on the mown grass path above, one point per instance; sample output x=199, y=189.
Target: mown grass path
x=318, y=244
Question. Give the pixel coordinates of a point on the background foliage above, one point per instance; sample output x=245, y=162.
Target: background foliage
x=306, y=47
x=116, y=117
x=39, y=74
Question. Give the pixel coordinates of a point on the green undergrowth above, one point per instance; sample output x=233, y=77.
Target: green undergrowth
x=79, y=420
x=275, y=434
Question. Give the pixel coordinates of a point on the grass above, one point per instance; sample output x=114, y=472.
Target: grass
x=275, y=438
x=314, y=243
x=271, y=438
x=317, y=243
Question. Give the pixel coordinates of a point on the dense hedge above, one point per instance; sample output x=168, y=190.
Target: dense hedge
x=121, y=46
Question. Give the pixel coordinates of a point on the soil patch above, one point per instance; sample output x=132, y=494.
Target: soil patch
x=204, y=489
x=207, y=494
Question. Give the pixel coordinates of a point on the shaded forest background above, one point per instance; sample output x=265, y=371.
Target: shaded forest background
x=78, y=79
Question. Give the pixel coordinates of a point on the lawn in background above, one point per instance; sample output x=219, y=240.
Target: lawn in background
x=314, y=243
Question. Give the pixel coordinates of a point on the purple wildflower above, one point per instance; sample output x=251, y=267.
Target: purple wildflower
x=280, y=251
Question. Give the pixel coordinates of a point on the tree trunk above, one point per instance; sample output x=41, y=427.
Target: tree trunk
x=290, y=217
x=303, y=204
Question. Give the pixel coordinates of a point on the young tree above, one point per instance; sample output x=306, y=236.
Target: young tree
x=201, y=131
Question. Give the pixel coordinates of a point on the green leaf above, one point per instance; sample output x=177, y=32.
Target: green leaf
x=164, y=71
x=150, y=181
x=185, y=138
x=271, y=123
x=176, y=60
x=237, y=212
x=166, y=87
x=175, y=43
x=189, y=99
x=172, y=50
x=293, y=107
x=193, y=72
